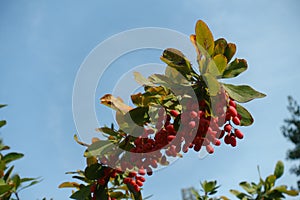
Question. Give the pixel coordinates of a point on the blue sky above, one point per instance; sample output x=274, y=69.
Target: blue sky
x=43, y=44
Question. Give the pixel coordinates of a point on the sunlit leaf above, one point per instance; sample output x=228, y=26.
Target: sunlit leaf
x=204, y=37
x=242, y=93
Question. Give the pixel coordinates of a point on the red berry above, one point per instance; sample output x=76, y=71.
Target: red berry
x=193, y=114
x=136, y=187
x=232, y=111
x=227, y=139
x=93, y=188
x=141, y=178
x=139, y=183
x=142, y=171
x=217, y=142
x=192, y=124
x=174, y=113
x=232, y=103
x=127, y=180
x=238, y=134
x=101, y=181
x=232, y=141
x=227, y=128
x=210, y=149
x=236, y=120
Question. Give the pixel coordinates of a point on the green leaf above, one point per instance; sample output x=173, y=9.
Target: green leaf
x=208, y=186
x=8, y=173
x=12, y=157
x=99, y=148
x=270, y=181
x=17, y=181
x=230, y=51
x=138, y=115
x=220, y=46
x=93, y=172
x=284, y=190
x=212, y=83
x=242, y=93
x=81, y=194
x=2, y=105
x=279, y=169
x=140, y=79
x=235, y=68
x=107, y=131
x=2, y=123
x=30, y=184
x=204, y=38
x=239, y=194
x=247, y=118
x=247, y=187
x=217, y=65
x=4, y=189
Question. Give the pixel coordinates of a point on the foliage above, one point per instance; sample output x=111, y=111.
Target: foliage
x=177, y=111
x=263, y=190
x=11, y=184
x=291, y=130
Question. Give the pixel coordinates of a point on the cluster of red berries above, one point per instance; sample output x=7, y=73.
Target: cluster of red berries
x=231, y=116
x=197, y=127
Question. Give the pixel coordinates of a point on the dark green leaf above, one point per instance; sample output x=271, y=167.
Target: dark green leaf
x=242, y=93
x=2, y=123
x=2, y=105
x=8, y=173
x=204, y=38
x=12, y=156
x=208, y=186
x=235, y=68
x=247, y=118
x=279, y=169
x=81, y=194
x=93, y=172
x=230, y=51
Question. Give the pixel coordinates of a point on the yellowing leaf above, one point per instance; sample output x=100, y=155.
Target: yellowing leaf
x=204, y=37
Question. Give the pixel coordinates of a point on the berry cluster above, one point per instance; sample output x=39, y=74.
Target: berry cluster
x=198, y=124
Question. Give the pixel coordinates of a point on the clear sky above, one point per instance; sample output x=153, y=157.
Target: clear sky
x=43, y=43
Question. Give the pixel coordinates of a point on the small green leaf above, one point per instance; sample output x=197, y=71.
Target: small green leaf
x=12, y=157
x=238, y=194
x=247, y=187
x=270, y=180
x=279, y=169
x=235, y=68
x=217, y=65
x=2, y=123
x=212, y=83
x=204, y=38
x=220, y=46
x=242, y=93
x=208, y=186
x=247, y=119
x=230, y=51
